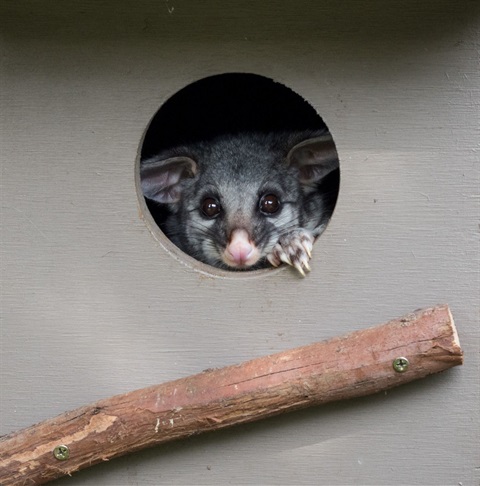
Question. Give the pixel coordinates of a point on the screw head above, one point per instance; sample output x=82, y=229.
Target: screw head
x=400, y=365
x=61, y=452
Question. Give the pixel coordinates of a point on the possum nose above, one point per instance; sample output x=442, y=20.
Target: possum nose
x=240, y=251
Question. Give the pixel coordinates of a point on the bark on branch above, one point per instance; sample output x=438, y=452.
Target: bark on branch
x=357, y=364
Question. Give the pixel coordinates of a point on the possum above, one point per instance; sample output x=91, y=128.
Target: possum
x=244, y=201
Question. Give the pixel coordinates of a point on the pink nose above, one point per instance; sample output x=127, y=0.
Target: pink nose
x=240, y=251
x=239, y=247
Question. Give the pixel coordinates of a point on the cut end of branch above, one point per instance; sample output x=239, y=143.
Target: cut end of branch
x=455, y=338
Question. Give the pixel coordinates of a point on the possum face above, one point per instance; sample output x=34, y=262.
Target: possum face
x=234, y=223
x=231, y=200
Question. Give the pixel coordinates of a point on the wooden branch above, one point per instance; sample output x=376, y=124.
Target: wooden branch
x=358, y=364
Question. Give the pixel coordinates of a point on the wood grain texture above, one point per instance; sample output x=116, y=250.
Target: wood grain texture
x=351, y=366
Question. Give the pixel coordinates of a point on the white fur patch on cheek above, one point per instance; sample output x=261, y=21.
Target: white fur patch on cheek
x=286, y=221
x=210, y=251
x=204, y=235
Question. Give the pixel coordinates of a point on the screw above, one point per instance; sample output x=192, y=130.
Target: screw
x=400, y=365
x=61, y=452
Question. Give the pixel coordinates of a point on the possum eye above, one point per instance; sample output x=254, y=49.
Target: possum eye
x=269, y=204
x=211, y=207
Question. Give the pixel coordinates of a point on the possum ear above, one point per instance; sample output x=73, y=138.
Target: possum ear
x=161, y=178
x=315, y=158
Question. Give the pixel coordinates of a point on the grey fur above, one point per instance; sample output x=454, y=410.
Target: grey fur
x=238, y=170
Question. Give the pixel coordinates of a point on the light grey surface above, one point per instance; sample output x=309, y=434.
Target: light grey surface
x=92, y=305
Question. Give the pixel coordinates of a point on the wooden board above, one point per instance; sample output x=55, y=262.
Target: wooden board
x=93, y=306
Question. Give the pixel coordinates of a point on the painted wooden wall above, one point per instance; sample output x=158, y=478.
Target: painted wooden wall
x=93, y=305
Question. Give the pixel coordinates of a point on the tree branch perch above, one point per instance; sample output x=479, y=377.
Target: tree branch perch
x=355, y=365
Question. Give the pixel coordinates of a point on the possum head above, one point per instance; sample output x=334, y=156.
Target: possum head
x=230, y=200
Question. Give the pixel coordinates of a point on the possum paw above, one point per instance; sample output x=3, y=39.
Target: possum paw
x=295, y=249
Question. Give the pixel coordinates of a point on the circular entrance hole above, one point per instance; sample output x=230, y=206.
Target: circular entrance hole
x=240, y=172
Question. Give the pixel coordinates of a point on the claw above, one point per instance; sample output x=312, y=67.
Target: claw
x=307, y=266
x=308, y=248
x=273, y=261
x=299, y=268
x=285, y=258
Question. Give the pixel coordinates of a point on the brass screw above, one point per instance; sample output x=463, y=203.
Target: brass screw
x=400, y=365
x=61, y=452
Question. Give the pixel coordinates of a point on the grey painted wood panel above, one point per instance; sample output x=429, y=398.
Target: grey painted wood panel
x=92, y=305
